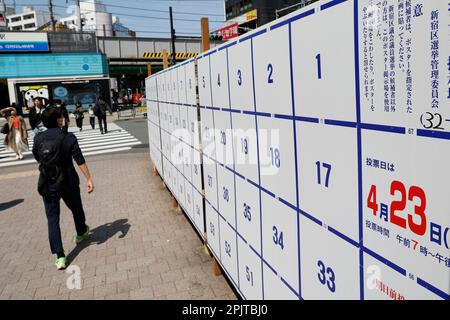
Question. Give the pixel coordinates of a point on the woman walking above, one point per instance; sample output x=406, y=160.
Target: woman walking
x=17, y=138
x=79, y=115
x=91, y=116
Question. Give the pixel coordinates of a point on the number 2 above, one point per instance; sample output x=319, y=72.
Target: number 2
x=270, y=70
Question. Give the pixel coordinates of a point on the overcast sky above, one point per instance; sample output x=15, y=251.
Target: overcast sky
x=150, y=18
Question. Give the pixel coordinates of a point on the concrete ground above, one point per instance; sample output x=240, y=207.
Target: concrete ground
x=139, y=248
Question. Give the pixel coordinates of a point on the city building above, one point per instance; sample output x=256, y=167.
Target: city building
x=50, y=66
x=245, y=15
x=29, y=19
x=96, y=18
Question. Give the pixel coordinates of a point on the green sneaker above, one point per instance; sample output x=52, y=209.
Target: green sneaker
x=61, y=263
x=79, y=239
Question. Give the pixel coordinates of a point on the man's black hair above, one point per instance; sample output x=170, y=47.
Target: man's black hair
x=50, y=117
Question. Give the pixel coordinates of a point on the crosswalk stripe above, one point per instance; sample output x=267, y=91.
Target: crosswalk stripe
x=91, y=143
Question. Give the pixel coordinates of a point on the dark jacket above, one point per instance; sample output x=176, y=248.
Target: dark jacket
x=69, y=150
x=101, y=108
x=35, y=117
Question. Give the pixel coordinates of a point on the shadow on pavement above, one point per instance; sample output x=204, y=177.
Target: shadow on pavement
x=100, y=235
x=10, y=204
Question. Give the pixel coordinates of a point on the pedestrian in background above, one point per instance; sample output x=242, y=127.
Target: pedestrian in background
x=79, y=115
x=65, y=114
x=58, y=179
x=35, y=115
x=91, y=116
x=100, y=110
x=17, y=138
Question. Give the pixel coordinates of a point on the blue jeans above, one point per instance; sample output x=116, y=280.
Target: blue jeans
x=72, y=199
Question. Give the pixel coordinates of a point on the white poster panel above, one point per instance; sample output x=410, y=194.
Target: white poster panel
x=191, y=83
x=276, y=156
x=210, y=179
x=328, y=175
x=323, y=59
x=280, y=239
x=212, y=230
x=229, y=252
x=199, y=215
x=248, y=213
x=250, y=273
x=219, y=79
x=384, y=283
x=275, y=288
x=405, y=201
x=329, y=264
x=204, y=81
x=272, y=72
x=226, y=192
x=404, y=47
x=245, y=146
x=241, y=76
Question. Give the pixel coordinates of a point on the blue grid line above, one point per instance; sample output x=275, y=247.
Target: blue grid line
x=285, y=202
x=385, y=261
x=292, y=19
x=340, y=123
x=256, y=34
x=433, y=289
x=306, y=119
x=433, y=134
x=331, y=4
x=383, y=128
x=310, y=217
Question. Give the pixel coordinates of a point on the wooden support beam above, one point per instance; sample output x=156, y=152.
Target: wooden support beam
x=165, y=59
x=205, y=34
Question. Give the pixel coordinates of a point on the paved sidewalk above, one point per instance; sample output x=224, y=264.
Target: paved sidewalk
x=140, y=248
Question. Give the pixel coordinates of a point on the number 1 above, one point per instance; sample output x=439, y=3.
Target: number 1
x=319, y=67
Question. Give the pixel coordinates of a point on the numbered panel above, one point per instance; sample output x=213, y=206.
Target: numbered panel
x=197, y=171
x=250, y=277
x=181, y=77
x=279, y=237
x=326, y=274
x=384, y=283
x=219, y=79
x=189, y=207
x=276, y=156
x=191, y=83
x=248, y=213
x=210, y=176
x=199, y=215
x=208, y=132
x=229, y=252
x=328, y=175
x=404, y=202
x=204, y=81
x=272, y=72
x=226, y=195
x=223, y=138
x=326, y=64
x=241, y=76
x=212, y=230
x=245, y=146
x=275, y=288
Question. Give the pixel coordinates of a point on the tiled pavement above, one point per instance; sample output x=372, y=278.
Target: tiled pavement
x=139, y=248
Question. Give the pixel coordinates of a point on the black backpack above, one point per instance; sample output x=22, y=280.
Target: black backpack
x=51, y=178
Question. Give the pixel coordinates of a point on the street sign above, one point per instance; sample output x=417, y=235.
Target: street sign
x=23, y=42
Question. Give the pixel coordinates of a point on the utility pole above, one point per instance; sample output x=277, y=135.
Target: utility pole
x=52, y=18
x=172, y=39
x=79, y=24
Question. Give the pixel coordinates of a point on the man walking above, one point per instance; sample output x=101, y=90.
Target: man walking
x=54, y=150
x=35, y=116
x=100, y=111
